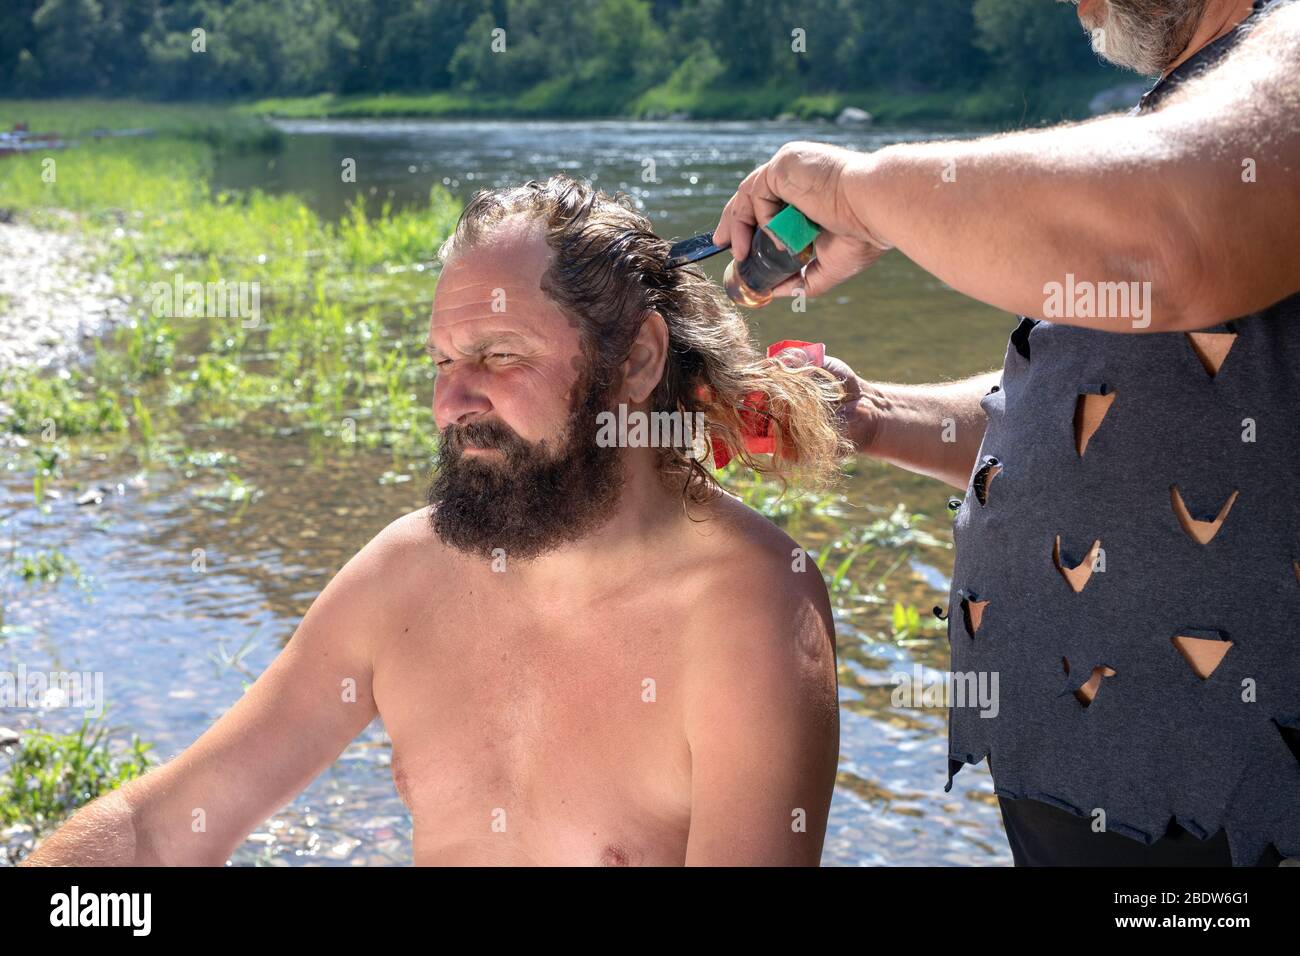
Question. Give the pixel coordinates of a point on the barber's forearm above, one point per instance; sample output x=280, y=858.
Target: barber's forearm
x=933, y=430
x=1131, y=200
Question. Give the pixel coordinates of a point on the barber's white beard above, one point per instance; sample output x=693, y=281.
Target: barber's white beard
x=1116, y=44
x=1134, y=42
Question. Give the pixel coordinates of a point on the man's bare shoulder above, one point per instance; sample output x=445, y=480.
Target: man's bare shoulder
x=740, y=537
x=405, y=561
x=764, y=592
x=1261, y=73
x=404, y=537
x=406, y=551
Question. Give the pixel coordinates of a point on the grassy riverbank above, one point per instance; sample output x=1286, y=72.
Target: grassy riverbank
x=992, y=105
x=329, y=362
x=189, y=122
x=243, y=126
x=318, y=353
x=331, y=350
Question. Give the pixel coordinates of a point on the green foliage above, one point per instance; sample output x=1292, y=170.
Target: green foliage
x=51, y=775
x=628, y=46
x=46, y=567
x=699, y=69
x=405, y=45
x=1030, y=39
x=906, y=621
x=65, y=32
x=84, y=119
x=539, y=57
x=935, y=53
x=399, y=238
x=318, y=356
x=64, y=404
x=863, y=558
x=47, y=466
x=104, y=179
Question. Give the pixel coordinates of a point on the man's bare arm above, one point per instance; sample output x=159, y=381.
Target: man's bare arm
x=1163, y=197
x=763, y=724
x=291, y=724
x=102, y=833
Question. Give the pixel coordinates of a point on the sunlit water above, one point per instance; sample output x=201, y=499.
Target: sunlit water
x=176, y=646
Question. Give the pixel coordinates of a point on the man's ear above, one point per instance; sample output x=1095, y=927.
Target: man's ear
x=644, y=367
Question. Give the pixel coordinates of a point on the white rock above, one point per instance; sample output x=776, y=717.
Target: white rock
x=852, y=116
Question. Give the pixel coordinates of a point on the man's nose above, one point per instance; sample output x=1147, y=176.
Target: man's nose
x=458, y=398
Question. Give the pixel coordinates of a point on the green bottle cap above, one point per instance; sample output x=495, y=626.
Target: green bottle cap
x=793, y=228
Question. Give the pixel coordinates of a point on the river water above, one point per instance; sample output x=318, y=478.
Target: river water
x=176, y=649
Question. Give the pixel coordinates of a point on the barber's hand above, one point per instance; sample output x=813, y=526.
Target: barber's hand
x=815, y=178
x=852, y=417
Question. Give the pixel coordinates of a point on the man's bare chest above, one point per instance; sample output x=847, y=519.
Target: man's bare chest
x=540, y=742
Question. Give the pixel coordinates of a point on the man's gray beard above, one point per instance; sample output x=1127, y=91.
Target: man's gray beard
x=1146, y=36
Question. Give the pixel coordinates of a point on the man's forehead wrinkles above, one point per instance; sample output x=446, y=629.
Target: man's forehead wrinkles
x=476, y=340
x=481, y=325
x=531, y=317
x=481, y=308
x=501, y=299
x=507, y=283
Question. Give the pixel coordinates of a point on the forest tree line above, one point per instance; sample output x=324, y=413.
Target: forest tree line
x=260, y=48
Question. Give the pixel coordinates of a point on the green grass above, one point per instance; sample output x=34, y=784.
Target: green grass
x=200, y=122
x=1054, y=99
x=53, y=406
x=318, y=352
x=51, y=775
x=386, y=104
x=707, y=99
x=552, y=98
x=47, y=567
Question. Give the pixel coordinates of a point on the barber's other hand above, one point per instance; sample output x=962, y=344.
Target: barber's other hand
x=851, y=412
x=817, y=179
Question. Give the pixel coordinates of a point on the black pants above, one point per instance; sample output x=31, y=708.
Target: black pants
x=1043, y=835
